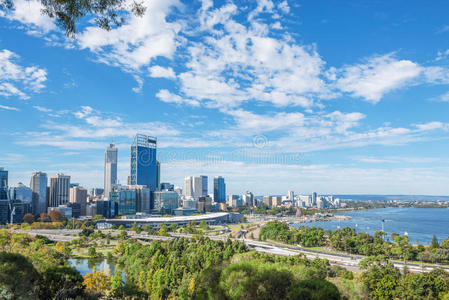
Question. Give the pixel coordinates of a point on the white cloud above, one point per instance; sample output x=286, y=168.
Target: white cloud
x=138, y=88
x=236, y=64
x=378, y=76
x=137, y=42
x=9, y=108
x=15, y=79
x=29, y=12
x=167, y=96
x=42, y=109
x=443, y=98
x=161, y=72
x=432, y=126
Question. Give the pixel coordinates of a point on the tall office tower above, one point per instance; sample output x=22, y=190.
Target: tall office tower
x=110, y=169
x=189, y=186
x=59, y=190
x=219, y=190
x=197, y=187
x=79, y=195
x=314, y=199
x=203, y=185
x=143, y=161
x=38, y=185
x=3, y=184
x=3, y=178
x=291, y=196
x=158, y=175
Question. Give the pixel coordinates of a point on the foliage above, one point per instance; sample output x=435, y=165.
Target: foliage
x=28, y=218
x=67, y=13
x=55, y=216
x=18, y=277
x=61, y=283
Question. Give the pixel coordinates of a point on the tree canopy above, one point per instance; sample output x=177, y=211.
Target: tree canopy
x=68, y=13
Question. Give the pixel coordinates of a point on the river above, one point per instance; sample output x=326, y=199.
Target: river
x=419, y=223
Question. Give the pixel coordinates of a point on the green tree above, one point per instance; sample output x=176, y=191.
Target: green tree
x=18, y=277
x=67, y=13
x=91, y=252
x=435, y=244
x=61, y=283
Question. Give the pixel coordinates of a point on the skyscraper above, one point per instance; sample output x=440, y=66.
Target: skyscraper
x=38, y=185
x=203, y=185
x=4, y=202
x=143, y=161
x=110, y=169
x=158, y=175
x=189, y=186
x=3, y=178
x=197, y=187
x=219, y=190
x=59, y=190
x=79, y=195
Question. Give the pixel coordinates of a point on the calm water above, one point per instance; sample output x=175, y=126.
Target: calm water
x=85, y=265
x=420, y=223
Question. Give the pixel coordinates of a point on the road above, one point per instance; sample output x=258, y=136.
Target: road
x=349, y=262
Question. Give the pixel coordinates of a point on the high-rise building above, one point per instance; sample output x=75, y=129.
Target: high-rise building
x=3, y=178
x=158, y=175
x=143, y=161
x=79, y=195
x=219, y=190
x=110, y=169
x=248, y=199
x=203, y=185
x=197, y=187
x=59, y=190
x=189, y=186
x=21, y=192
x=38, y=185
x=4, y=202
x=314, y=195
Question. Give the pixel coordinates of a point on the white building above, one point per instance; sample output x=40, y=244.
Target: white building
x=110, y=169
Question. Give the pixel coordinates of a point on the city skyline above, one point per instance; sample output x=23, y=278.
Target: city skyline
x=273, y=96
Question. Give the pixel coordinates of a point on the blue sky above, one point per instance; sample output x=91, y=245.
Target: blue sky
x=325, y=96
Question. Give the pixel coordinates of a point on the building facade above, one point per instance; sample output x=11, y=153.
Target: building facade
x=165, y=202
x=38, y=185
x=79, y=195
x=59, y=190
x=110, y=169
x=143, y=162
x=219, y=190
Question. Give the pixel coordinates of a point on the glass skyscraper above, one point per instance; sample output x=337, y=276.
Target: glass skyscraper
x=3, y=178
x=38, y=185
x=110, y=169
x=203, y=185
x=143, y=162
x=219, y=190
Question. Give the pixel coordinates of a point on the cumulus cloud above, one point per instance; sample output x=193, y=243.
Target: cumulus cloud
x=29, y=12
x=168, y=97
x=18, y=80
x=137, y=42
x=161, y=72
x=375, y=77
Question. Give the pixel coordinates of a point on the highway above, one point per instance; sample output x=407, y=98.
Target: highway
x=349, y=262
